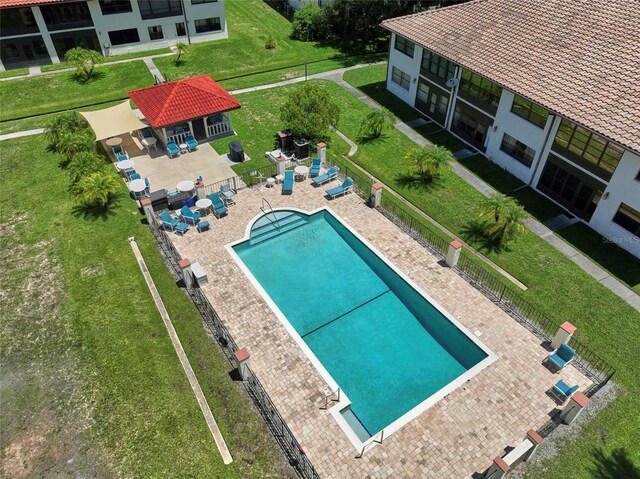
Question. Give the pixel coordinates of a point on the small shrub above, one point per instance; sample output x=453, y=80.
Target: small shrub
x=429, y=161
x=271, y=43
x=373, y=124
x=72, y=143
x=182, y=49
x=82, y=165
x=97, y=189
x=64, y=123
x=310, y=23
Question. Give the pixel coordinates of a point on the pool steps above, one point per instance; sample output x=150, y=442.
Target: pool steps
x=268, y=227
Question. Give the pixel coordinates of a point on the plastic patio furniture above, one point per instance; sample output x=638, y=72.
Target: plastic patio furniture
x=135, y=176
x=147, y=184
x=330, y=174
x=562, y=391
x=227, y=193
x=144, y=133
x=191, y=142
x=168, y=221
x=117, y=150
x=172, y=149
x=182, y=228
x=343, y=189
x=219, y=209
x=315, y=167
x=189, y=202
x=122, y=156
x=202, y=226
x=287, y=184
x=189, y=216
x=561, y=357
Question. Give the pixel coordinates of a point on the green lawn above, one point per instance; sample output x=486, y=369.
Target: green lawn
x=14, y=73
x=91, y=384
x=114, y=58
x=33, y=96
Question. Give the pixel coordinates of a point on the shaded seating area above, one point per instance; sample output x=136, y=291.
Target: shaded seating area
x=561, y=357
x=331, y=174
x=343, y=189
x=561, y=391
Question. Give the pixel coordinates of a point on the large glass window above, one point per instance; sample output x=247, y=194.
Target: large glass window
x=405, y=46
x=64, y=16
x=159, y=8
x=432, y=101
x=481, y=92
x=401, y=78
x=155, y=33
x=208, y=25
x=17, y=21
x=23, y=51
x=79, y=38
x=583, y=144
x=120, y=37
x=517, y=150
x=110, y=7
x=180, y=29
x=436, y=66
x=628, y=218
x=530, y=111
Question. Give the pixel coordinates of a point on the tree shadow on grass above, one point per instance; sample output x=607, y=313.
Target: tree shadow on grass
x=95, y=213
x=616, y=466
x=372, y=140
x=415, y=181
x=80, y=79
x=473, y=232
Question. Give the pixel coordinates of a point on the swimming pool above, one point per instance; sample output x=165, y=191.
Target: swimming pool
x=366, y=327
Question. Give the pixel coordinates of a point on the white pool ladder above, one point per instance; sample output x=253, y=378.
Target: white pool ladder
x=268, y=209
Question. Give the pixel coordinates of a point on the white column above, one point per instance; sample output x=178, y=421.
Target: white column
x=281, y=166
x=199, y=185
x=321, y=152
x=498, y=469
x=563, y=335
x=535, y=439
x=574, y=407
x=148, y=210
x=454, y=253
x=376, y=195
x=244, y=361
x=46, y=37
x=185, y=269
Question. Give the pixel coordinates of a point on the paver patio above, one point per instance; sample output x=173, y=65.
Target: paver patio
x=460, y=434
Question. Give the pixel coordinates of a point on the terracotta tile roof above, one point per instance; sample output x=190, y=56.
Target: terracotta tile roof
x=25, y=3
x=578, y=58
x=182, y=100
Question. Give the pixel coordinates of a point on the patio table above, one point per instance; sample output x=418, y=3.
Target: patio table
x=279, y=178
x=184, y=148
x=185, y=186
x=204, y=204
x=123, y=165
x=150, y=141
x=115, y=141
x=137, y=187
x=270, y=182
x=302, y=171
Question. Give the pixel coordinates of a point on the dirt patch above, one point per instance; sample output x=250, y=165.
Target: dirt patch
x=91, y=271
x=26, y=447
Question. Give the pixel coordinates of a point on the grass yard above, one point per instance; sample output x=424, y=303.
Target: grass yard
x=110, y=59
x=14, y=73
x=91, y=384
x=34, y=96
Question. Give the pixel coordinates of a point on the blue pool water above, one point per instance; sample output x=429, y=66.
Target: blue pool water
x=383, y=343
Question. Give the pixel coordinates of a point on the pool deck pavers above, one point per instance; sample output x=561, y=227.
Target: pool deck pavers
x=458, y=436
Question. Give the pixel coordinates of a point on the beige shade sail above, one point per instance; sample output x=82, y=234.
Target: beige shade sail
x=113, y=121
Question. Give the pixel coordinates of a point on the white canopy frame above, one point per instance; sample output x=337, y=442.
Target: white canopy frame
x=113, y=121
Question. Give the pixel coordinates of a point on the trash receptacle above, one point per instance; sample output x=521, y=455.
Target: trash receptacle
x=236, y=152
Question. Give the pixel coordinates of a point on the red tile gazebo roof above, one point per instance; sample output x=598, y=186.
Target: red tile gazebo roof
x=182, y=100
x=24, y=3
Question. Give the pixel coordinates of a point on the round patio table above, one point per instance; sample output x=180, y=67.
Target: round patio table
x=185, y=186
x=115, y=141
x=279, y=178
x=123, y=165
x=204, y=204
x=151, y=141
x=301, y=171
x=270, y=182
x=137, y=186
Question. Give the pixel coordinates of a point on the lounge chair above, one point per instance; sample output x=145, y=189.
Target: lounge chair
x=182, y=228
x=219, y=209
x=172, y=149
x=561, y=391
x=329, y=175
x=561, y=357
x=287, y=184
x=189, y=216
x=343, y=189
x=191, y=142
x=315, y=167
x=168, y=221
x=227, y=193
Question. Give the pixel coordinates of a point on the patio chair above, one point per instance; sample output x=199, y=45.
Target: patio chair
x=561, y=357
x=189, y=216
x=330, y=174
x=122, y=156
x=315, y=167
x=144, y=133
x=117, y=150
x=168, y=221
x=219, y=209
x=172, y=149
x=287, y=184
x=343, y=189
x=561, y=391
x=135, y=176
x=227, y=194
x=147, y=184
x=191, y=142
x=182, y=228
x=189, y=202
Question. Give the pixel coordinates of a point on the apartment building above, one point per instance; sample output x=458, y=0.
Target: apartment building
x=39, y=32
x=547, y=89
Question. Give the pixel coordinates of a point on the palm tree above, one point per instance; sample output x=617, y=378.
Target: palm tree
x=65, y=122
x=98, y=189
x=71, y=143
x=182, y=49
x=504, y=218
x=84, y=164
x=84, y=60
x=493, y=207
x=417, y=157
x=373, y=124
x=439, y=157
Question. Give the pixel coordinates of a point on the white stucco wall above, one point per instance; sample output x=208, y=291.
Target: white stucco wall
x=410, y=66
x=623, y=188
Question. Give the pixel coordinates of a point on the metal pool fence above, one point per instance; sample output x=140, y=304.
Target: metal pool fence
x=361, y=181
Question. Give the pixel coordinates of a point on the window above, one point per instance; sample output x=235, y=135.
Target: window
x=437, y=66
x=198, y=2
x=208, y=25
x=66, y=15
x=405, y=46
x=110, y=7
x=401, y=78
x=530, y=111
x=584, y=144
x=628, y=218
x=23, y=51
x=155, y=33
x=79, y=38
x=517, y=150
x=471, y=125
x=432, y=101
x=120, y=37
x=480, y=91
x=180, y=29
x=159, y=8
x=17, y=21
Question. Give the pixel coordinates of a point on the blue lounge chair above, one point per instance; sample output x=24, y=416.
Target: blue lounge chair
x=172, y=149
x=189, y=202
x=182, y=228
x=562, y=356
x=561, y=391
x=330, y=174
x=147, y=184
x=191, y=142
x=287, y=184
x=219, y=209
x=315, y=167
x=122, y=157
x=343, y=189
x=135, y=176
x=168, y=221
x=227, y=193
x=189, y=216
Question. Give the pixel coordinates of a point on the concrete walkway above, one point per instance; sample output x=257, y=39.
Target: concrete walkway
x=20, y=134
x=193, y=380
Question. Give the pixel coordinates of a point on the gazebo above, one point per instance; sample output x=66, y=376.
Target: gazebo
x=195, y=106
